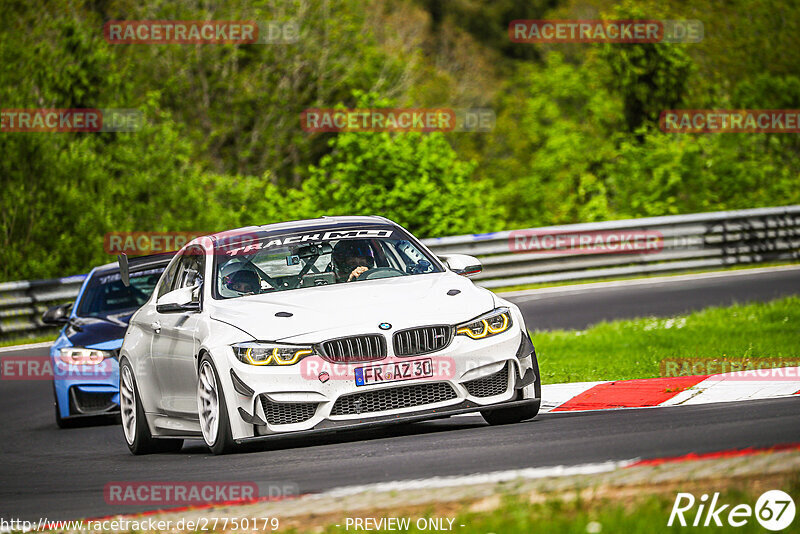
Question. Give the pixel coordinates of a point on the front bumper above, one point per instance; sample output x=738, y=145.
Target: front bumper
x=481, y=375
x=83, y=394
x=328, y=426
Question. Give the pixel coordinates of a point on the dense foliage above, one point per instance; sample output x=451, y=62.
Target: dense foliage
x=576, y=137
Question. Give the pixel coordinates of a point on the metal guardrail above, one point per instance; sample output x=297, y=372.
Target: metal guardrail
x=22, y=303
x=686, y=242
x=694, y=241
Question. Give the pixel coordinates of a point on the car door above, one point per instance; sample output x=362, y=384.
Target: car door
x=175, y=342
x=146, y=323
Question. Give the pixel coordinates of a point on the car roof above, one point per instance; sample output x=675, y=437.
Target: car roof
x=324, y=222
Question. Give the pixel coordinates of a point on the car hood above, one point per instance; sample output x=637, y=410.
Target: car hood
x=99, y=332
x=355, y=308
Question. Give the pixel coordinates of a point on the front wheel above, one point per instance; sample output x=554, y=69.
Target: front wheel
x=134, y=425
x=212, y=409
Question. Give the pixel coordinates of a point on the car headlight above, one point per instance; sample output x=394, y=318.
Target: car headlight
x=487, y=325
x=270, y=353
x=82, y=356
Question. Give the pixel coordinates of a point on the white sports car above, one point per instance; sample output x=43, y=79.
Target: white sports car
x=317, y=326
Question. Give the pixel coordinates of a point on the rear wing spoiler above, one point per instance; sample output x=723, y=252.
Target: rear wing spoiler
x=125, y=264
x=124, y=269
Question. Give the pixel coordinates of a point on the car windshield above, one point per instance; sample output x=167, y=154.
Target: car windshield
x=106, y=294
x=316, y=258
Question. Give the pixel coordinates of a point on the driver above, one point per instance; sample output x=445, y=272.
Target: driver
x=244, y=281
x=351, y=258
x=239, y=277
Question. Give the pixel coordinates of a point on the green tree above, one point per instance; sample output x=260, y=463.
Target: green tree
x=414, y=179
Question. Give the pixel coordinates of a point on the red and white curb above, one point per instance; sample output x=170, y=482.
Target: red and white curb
x=671, y=391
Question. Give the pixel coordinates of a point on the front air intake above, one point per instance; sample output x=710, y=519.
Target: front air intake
x=381, y=400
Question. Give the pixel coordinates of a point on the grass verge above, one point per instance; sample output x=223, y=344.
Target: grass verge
x=572, y=513
x=634, y=348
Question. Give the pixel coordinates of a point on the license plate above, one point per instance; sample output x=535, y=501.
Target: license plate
x=393, y=372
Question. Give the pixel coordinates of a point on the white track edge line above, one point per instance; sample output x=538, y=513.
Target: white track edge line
x=13, y=348
x=529, y=473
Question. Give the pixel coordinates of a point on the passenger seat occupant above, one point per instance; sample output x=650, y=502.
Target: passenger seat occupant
x=351, y=259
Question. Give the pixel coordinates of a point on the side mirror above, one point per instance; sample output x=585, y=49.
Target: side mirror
x=185, y=299
x=463, y=264
x=57, y=314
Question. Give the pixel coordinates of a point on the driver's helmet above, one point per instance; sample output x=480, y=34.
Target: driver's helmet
x=238, y=277
x=351, y=253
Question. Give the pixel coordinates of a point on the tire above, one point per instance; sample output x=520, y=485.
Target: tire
x=212, y=409
x=134, y=425
x=510, y=416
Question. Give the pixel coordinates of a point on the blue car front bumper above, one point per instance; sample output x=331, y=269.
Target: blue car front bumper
x=85, y=390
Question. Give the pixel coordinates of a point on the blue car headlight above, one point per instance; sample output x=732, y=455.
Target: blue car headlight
x=82, y=356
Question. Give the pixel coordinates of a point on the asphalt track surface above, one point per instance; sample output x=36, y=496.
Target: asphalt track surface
x=60, y=474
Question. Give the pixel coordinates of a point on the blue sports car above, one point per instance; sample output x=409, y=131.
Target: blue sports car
x=85, y=354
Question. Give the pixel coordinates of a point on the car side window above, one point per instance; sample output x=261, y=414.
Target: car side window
x=169, y=277
x=190, y=272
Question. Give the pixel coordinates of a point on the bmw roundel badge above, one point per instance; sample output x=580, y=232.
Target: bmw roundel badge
x=384, y=326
